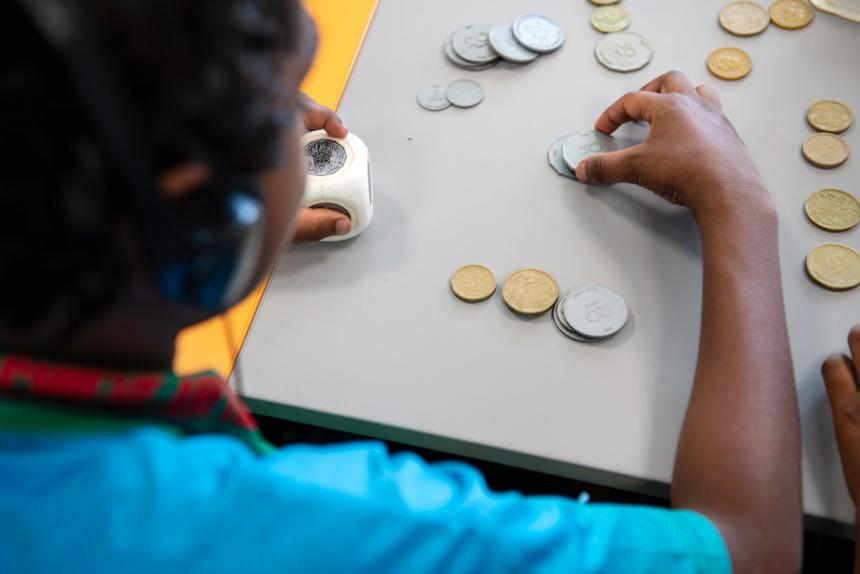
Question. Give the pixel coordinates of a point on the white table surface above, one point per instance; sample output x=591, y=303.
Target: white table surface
x=367, y=336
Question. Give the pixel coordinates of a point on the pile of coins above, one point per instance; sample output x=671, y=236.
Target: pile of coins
x=477, y=47
x=587, y=313
x=568, y=151
x=590, y=313
x=833, y=266
x=747, y=18
x=619, y=51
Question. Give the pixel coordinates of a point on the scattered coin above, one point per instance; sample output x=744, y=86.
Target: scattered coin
x=834, y=266
x=464, y=93
x=530, y=292
x=833, y=209
x=577, y=147
x=604, y=2
x=830, y=116
x=825, y=150
x=610, y=19
x=791, y=14
x=594, y=312
x=432, y=97
x=556, y=158
x=505, y=45
x=744, y=18
x=730, y=63
x=472, y=43
x=473, y=283
x=624, y=51
x=460, y=62
x=538, y=33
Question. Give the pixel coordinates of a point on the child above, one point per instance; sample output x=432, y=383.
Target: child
x=151, y=173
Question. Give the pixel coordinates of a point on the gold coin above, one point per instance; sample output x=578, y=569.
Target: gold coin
x=730, y=63
x=825, y=150
x=473, y=283
x=830, y=116
x=604, y=2
x=744, y=18
x=610, y=19
x=530, y=292
x=833, y=209
x=791, y=14
x=834, y=266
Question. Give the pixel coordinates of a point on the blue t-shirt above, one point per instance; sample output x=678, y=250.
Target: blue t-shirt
x=147, y=500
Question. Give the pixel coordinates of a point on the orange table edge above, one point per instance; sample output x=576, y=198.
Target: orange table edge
x=215, y=344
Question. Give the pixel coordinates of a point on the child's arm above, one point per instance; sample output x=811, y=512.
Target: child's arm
x=738, y=459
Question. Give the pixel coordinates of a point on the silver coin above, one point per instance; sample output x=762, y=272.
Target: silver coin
x=432, y=97
x=460, y=62
x=624, y=51
x=538, y=33
x=472, y=43
x=579, y=146
x=558, y=319
x=464, y=93
x=556, y=158
x=566, y=324
x=595, y=311
x=505, y=45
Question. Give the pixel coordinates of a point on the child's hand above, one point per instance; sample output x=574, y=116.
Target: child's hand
x=318, y=117
x=317, y=224
x=841, y=377
x=692, y=156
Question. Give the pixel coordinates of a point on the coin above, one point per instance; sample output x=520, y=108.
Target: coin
x=604, y=2
x=825, y=150
x=730, y=63
x=460, y=62
x=562, y=323
x=623, y=51
x=538, y=33
x=565, y=330
x=610, y=19
x=472, y=43
x=791, y=14
x=834, y=266
x=744, y=18
x=556, y=158
x=464, y=93
x=829, y=116
x=505, y=45
x=432, y=97
x=579, y=146
x=833, y=209
x=473, y=283
x=529, y=292
x=595, y=311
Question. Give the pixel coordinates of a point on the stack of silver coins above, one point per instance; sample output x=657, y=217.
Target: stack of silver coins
x=481, y=46
x=590, y=313
x=478, y=47
x=566, y=152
